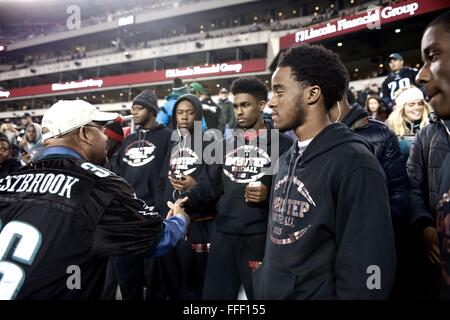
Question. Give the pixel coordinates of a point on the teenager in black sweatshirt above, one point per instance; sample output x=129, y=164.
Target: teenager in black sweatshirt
x=330, y=233
x=140, y=161
x=237, y=243
x=183, y=268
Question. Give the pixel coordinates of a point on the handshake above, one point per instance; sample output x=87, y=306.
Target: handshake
x=177, y=208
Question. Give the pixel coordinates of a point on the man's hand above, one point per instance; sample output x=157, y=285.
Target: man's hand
x=177, y=208
x=256, y=194
x=184, y=184
x=431, y=241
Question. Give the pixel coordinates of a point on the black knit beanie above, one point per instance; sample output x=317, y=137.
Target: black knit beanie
x=148, y=100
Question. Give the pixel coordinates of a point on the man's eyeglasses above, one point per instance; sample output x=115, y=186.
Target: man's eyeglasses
x=102, y=128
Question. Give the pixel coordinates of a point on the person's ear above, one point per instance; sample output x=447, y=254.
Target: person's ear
x=82, y=135
x=313, y=94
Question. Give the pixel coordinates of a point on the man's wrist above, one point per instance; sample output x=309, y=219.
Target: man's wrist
x=185, y=215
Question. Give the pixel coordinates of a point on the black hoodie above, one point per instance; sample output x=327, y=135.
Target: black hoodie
x=329, y=223
x=141, y=158
x=182, y=158
x=225, y=183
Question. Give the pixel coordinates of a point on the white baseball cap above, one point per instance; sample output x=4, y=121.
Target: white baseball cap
x=67, y=115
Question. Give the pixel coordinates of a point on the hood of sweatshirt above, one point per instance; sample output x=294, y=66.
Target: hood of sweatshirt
x=30, y=144
x=192, y=99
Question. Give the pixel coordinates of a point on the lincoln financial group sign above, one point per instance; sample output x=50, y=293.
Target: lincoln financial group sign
x=372, y=19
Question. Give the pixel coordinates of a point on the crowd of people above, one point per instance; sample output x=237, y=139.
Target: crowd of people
x=150, y=39
x=321, y=201
x=17, y=32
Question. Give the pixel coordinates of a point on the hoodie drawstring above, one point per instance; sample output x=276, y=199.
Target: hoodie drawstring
x=287, y=187
x=141, y=139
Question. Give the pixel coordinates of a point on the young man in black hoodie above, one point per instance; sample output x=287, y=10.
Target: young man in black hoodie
x=183, y=268
x=330, y=232
x=140, y=161
x=240, y=188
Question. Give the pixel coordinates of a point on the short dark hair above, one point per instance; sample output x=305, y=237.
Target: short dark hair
x=316, y=65
x=443, y=19
x=250, y=85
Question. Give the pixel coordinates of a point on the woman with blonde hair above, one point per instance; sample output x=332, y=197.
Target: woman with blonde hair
x=410, y=114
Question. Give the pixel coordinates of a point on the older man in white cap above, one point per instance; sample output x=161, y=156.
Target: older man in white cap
x=66, y=214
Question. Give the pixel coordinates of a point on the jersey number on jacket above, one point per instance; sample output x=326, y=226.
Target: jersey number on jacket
x=25, y=241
